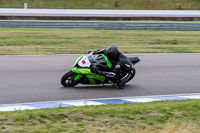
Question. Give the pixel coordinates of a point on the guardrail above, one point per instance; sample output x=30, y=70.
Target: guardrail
x=103, y=25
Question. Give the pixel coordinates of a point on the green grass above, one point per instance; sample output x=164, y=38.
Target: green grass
x=172, y=116
x=105, y=4
x=18, y=41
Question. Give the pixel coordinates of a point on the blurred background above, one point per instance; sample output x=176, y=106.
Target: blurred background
x=105, y=4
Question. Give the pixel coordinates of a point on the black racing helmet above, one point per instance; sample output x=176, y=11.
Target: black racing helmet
x=113, y=53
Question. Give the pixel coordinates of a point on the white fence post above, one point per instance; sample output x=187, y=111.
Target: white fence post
x=25, y=5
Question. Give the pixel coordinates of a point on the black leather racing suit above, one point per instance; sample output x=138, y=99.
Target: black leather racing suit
x=122, y=68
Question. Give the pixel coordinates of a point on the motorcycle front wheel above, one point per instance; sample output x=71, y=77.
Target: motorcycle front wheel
x=68, y=79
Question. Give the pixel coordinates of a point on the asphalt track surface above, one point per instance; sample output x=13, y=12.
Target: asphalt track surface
x=37, y=78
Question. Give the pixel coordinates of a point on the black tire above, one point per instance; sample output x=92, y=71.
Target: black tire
x=132, y=76
x=68, y=79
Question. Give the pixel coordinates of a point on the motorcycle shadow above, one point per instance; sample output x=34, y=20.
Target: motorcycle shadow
x=102, y=87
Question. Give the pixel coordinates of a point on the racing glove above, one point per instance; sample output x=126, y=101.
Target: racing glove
x=96, y=70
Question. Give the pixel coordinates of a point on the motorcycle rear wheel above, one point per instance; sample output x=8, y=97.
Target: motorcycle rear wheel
x=133, y=75
x=68, y=79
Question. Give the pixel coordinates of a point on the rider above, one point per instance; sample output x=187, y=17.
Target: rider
x=122, y=67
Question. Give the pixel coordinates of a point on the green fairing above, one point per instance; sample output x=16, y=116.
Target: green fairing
x=77, y=60
x=81, y=71
x=109, y=64
x=98, y=77
x=91, y=76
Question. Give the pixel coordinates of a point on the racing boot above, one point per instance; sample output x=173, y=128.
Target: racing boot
x=114, y=84
x=120, y=86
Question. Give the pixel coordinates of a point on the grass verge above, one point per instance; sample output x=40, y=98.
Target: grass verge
x=105, y=4
x=166, y=117
x=19, y=41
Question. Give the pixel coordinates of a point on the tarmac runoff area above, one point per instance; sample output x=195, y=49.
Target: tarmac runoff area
x=192, y=26
x=31, y=80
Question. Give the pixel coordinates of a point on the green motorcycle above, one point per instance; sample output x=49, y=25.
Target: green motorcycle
x=81, y=72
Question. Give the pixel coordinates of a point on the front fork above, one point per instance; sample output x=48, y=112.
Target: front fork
x=78, y=77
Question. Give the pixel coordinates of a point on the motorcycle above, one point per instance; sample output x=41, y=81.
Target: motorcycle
x=81, y=72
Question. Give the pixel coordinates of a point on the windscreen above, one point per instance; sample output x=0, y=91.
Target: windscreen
x=91, y=58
